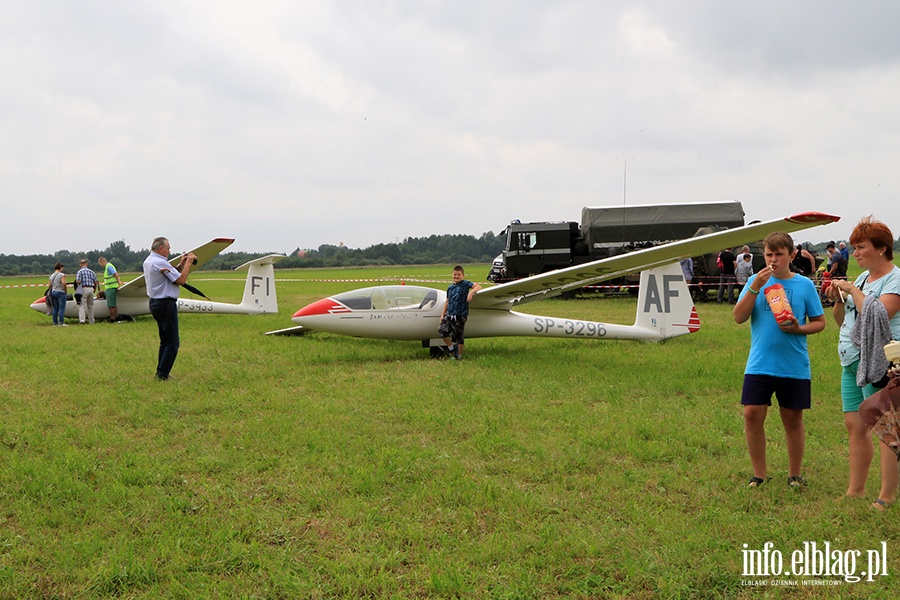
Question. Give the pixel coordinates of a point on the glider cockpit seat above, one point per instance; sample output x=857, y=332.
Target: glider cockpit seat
x=429, y=301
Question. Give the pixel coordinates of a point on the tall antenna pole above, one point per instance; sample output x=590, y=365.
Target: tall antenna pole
x=624, y=193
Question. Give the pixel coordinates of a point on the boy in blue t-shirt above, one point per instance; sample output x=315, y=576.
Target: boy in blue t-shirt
x=456, y=310
x=778, y=362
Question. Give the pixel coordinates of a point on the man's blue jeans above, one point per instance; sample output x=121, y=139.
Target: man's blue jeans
x=165, y=311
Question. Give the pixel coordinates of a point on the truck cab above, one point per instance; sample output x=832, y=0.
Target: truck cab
x=533, y=248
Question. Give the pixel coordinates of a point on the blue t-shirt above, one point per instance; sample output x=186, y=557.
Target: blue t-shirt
x=772, y=351
x=457, y=298
x=889, y=284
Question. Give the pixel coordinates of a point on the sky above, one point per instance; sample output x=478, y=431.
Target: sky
x=291, y=124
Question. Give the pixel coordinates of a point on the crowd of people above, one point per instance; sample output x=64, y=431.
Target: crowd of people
x=735, y=269
x=865, y=310
x=85, y=290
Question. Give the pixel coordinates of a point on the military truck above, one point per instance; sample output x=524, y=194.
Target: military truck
x=605, y=231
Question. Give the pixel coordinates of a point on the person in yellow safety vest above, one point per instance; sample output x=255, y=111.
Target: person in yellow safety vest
x=111, y=283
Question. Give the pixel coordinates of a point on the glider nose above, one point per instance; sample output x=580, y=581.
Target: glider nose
x=325, y=306
x=40, y=304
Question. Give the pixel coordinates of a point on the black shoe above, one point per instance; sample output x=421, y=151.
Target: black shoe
x=796, y=482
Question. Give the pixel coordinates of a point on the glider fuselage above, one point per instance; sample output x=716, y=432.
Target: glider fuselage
x=132, y=300
x=136, y=307
x=405, y=312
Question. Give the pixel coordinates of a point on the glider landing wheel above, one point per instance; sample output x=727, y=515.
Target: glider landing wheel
x=436, y=351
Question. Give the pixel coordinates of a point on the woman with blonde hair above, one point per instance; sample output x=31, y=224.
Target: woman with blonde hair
x=862, y=309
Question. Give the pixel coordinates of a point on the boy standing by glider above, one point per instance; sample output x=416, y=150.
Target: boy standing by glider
x=778, y=362
x=456, y=310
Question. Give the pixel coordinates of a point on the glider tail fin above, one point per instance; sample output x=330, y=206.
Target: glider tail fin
x=259, y=291
x=665, y=306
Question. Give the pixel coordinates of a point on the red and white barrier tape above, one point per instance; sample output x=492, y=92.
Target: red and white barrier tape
x=22, y=285
x=371, y=280
x=402, y=280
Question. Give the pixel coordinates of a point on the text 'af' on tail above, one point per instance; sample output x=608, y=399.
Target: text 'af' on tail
x=665, y=306
x=259, y=291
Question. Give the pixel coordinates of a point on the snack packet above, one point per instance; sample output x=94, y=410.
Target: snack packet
x=779, y=304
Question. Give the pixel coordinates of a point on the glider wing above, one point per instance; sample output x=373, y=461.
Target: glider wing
x=138, y=287
x=554, y=283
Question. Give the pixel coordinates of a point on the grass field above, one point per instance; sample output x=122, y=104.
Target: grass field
x=326, y=466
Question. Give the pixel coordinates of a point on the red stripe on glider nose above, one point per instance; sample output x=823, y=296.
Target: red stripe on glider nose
x=322, y=307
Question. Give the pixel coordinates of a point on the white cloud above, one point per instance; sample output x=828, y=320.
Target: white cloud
x=288, y=124
x=644, y=39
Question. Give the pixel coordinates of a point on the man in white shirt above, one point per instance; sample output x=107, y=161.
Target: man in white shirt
x=163, y=285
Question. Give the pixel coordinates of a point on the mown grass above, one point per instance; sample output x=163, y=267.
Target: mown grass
x=327, y=466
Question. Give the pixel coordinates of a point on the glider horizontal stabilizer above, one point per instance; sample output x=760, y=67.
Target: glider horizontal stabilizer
x=297, y=331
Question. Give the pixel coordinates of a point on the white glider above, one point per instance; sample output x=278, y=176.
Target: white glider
x=132, y=301
x=664, y=309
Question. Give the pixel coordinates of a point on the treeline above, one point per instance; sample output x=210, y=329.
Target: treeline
x=118, y=253
x=411, y=251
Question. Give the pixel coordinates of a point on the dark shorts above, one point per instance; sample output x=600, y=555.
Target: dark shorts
x=111, y=297
x=453, y=327
x=791, y=393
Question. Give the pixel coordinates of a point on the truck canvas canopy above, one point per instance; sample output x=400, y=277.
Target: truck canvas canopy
x=608, y=226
